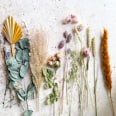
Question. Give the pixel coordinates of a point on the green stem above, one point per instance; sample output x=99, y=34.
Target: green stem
x=95, y=88
x=38, y=101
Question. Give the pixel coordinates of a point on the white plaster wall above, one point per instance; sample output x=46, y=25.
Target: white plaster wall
x=48, y=14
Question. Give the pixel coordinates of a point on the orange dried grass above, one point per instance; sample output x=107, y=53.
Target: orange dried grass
x=106, y=66
x=106, y=60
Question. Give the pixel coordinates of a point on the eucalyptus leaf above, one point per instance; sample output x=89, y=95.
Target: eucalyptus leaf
x=26, y=55
x=23, y=69
x=12, y=84
x=14, y=74
x=14, y=79
x=24, y=43
x=11, y=61
x=21, y=94
x=30, y=90
x=28, y=113
x=14, y=68
x=19, y=55
x=17, y=47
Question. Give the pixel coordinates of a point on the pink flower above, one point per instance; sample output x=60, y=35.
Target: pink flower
x=86, y=52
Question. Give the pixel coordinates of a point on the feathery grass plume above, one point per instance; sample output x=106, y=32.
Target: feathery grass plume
x=94, y=74
x=38, y=50
x=105, y=61
x=88, y=38
x=12, y=32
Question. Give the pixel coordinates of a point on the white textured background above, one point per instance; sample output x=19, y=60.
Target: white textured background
x=48, y=14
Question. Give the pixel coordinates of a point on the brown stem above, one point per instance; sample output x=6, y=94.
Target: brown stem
x=110, y=96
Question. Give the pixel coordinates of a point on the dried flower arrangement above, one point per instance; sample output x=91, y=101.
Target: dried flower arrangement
x=17, y=61
x=79, y=67
x=33, y=54
x=105, y=61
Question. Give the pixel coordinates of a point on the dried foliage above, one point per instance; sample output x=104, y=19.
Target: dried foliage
x=12, y=32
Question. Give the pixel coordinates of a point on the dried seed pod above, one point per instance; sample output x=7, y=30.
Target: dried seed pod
x=12, y=32
x=61, y=44
x=68, y=51
x=65, y=34
x=68, y=39
x=93, y=47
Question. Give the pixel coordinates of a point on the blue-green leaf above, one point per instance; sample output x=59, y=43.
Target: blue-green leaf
x=28, y=113
x=24, y=43
x=23, y=69
x=30, y=90
x=26, y=55
x=11, y=61
x=19, y=55
x=12, y=84
x=21, y=94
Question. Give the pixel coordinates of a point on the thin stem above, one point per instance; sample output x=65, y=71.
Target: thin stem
x=53, y=109
x=70, y=105
x=64, y=75
x=5, y=94
x=95, y=87
x=38, y=101
x=110, y=96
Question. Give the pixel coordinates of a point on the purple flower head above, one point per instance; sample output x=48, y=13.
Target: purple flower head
x=68, y=39
x=86, y=52
x=61, y=44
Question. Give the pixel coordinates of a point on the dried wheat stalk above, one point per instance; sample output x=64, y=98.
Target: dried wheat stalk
x=106, y=65
x=38, y=50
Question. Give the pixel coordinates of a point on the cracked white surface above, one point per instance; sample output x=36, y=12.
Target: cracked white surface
x=48, y=14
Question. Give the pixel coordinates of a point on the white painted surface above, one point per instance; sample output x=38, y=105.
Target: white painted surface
x=48, y=14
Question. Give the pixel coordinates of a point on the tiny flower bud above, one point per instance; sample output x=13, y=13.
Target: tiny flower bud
x=61, y=44
x=58, y=55
x=57, y=63
x=86, y=52
x=68, y=39
x=65, y=34
x=50, y=63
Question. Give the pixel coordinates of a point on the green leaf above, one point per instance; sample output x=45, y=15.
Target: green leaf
x=28, y=113
x=30, y=90
x=19, y=55
x=47, y=72
x=11, y=61
x=26, y=55
x=14, y=75
x=12, y=84
x=17, y=47
x=14, y=68
x=21, y=94
x=23, y=69
x=24, y=43
x=14, y=79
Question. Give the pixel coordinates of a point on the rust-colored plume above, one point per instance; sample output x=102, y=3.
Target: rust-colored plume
x=105, y=60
